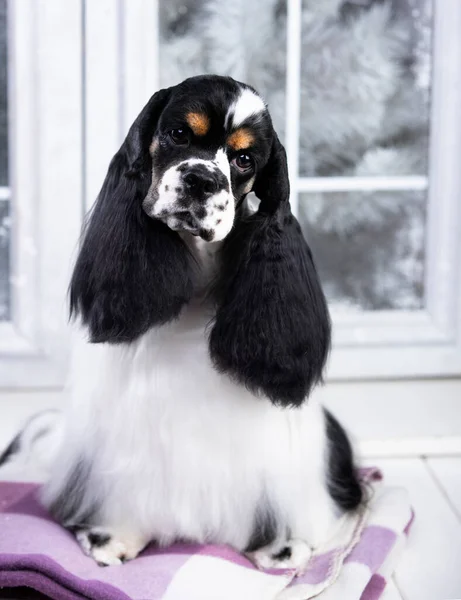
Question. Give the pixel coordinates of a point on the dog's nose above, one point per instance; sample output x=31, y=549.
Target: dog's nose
x=201, y=183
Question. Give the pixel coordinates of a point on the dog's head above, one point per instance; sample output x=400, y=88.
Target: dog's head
x=189, y=160
x=211, y=139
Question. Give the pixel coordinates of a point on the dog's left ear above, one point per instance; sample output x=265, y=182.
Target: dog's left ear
x=132, y=272
x=272, y=327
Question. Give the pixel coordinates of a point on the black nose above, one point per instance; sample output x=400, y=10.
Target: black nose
x=201, y=182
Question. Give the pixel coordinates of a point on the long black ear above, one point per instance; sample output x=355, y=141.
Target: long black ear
x=132, y=272
x=272, y=327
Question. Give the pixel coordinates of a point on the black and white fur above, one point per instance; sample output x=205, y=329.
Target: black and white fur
x=203, y=331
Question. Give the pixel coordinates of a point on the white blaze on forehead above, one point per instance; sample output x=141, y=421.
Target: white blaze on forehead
x=247, y=105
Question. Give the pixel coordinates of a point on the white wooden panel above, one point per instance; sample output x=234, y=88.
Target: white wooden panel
x=46, y=174
x=17, y=407
x=410, y=447
x=121, y=74
x=140, y=42
x=361, y=184
x=293, y=95
x=103, y=119
x=395, y=328
x=396, y=410
x=429, y=567
x=443, y=272
x=447, y=471
x=59, y=162
x=412, y=361
x=23, y=134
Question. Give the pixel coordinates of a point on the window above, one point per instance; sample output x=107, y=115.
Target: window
x=351, y=89
x=365, y=98
x=360, y=82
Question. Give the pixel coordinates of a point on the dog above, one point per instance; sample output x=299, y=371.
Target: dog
x=202, y=331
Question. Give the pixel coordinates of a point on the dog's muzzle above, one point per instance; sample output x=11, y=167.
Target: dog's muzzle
x=194, y=196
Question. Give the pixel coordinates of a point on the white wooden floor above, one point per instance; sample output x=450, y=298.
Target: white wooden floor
x=430, y=568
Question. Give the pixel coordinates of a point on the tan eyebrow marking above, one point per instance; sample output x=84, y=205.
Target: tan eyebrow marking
x=240, y=139
x=198, y=122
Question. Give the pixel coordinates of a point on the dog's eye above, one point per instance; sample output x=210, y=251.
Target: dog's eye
x=243, y=162
x=180, y=137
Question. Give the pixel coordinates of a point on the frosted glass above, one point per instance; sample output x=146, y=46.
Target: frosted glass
x=365, y=101
x=368, y=247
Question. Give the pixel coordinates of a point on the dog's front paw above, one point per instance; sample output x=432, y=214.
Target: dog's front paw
x=106, y=547
x=294, y=554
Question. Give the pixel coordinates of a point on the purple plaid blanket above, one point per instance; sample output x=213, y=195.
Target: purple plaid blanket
x=355, y=563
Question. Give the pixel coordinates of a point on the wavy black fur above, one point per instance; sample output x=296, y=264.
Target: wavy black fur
x=343, y=482
x=272, y=327
x=132, y=272
x=12, y=449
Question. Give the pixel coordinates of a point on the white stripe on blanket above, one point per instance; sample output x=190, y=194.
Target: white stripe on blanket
x=210, y=578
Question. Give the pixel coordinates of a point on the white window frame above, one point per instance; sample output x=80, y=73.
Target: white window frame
x=399, y=343
x=45, y=149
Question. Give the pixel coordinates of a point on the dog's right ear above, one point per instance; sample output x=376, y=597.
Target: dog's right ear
x=272, y=327
x=132, y=272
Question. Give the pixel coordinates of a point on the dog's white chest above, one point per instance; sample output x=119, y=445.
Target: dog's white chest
x=200, y=452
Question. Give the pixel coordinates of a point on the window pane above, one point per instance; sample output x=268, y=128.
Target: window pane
x=368, y=247
x=365, y=100
x=4, y=204
x=365, y=83
x=245, y=41
x=365, y=77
